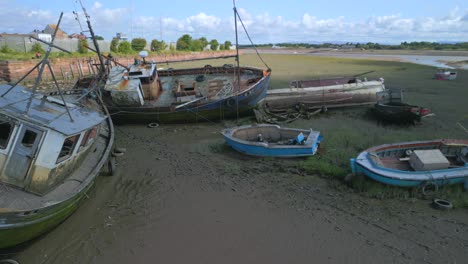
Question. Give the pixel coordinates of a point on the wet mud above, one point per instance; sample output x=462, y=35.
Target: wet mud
x=182, y=196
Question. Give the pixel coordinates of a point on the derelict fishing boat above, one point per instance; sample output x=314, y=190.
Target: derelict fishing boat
x=141, y=93
x=413, y=164
x=51, y=150
x=329, y=93
x=269, y=140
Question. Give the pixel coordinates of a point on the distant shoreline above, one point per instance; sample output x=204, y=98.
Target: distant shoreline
x=436, y=58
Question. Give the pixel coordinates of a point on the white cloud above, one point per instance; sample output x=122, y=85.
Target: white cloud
x=263, y=28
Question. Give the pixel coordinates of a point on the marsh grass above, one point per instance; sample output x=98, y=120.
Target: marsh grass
x=348, y=131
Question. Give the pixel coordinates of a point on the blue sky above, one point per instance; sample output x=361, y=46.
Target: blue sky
x=270, y=21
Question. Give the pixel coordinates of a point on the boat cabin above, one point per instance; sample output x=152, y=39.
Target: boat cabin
x=40, y=144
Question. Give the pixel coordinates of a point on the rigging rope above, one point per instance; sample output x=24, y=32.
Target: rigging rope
x=248, y=36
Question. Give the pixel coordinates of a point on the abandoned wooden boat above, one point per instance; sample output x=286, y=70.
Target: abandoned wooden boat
x=320, y=93
x=445, y=74
x=392, y=109
x=51, y=150
x=414, y=164
x=399, y=112
x=269, y=140
x=142, y=93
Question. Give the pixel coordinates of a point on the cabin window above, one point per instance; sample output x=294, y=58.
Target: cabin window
x=89, y=137
x=6, y=128
x=29, y=138
x=67, y=148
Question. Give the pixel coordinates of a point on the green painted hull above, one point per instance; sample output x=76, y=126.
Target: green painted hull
x=33, y=224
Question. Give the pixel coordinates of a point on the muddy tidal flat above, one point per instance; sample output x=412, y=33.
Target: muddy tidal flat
x=181, y=195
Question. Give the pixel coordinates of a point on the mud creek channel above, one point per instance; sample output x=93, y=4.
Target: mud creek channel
x=182, y=196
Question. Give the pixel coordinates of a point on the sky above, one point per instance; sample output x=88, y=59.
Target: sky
x=272, y=21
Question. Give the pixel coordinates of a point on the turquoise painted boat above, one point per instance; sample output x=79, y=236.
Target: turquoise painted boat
x=267, y=140
x=414, y=164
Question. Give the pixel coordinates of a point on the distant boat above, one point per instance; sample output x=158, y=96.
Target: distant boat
x=320, y=93
x=52, y=148
x=414, y=164
x=445, y=74
x=269, y=140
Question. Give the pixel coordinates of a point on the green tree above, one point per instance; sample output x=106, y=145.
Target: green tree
x=114, y=45
x=36, y=47
x=196, y=45
x=204, y=41
x=157, y=45
x=227, y=45
x=99, y=37
x=214, y=44
x=184, y=42
x=221, y=47
x=125, y=47
x=83, y=46
x=138, y=44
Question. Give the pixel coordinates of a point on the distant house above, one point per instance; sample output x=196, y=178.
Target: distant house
x=50, y=29
x=121, y=36
x=77, y=36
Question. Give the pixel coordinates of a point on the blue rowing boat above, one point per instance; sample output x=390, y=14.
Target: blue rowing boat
x=267, y=140
x=413, y=164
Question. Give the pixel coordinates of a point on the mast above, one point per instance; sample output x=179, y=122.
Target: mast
x=94, y=39
x=237, y=60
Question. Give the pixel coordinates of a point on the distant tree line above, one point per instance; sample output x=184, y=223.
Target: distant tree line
x=184, y=43
x=421, y=45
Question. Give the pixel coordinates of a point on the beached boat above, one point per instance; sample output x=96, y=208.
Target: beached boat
x=269, y=140
x=51, y=150
x=445, y=74
x=142, y=93
x=392, y=109
x=415, y=164
x=398, y=112
x=320, y=93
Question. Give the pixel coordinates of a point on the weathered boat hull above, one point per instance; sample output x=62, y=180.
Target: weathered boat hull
x=20, y=227
x=331, y=96
x=211, y=111
x=399, y=112
x=367, y=163
x=272, y=149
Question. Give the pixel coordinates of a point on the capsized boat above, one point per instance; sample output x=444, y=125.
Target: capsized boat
x=51, y=150
x=414, y=164
x=329, y=93
x=269, y=140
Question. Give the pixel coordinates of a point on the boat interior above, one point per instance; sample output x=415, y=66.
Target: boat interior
x=172, y=87
x=398, y=157
x=272, y=134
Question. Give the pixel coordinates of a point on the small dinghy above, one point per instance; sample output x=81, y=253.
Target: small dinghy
x=269, y=140
x=413, y=164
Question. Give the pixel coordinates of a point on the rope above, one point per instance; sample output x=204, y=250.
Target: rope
x=248, y=36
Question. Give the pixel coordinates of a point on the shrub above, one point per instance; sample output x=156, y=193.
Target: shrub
x=125, y=47
x=138, y=44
